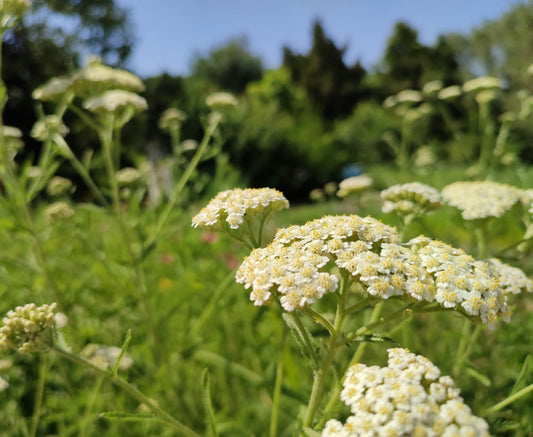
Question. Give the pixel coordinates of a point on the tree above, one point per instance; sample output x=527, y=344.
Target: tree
x=229, y=67
x=332, y=86
x=504, y=47
x=36, y=50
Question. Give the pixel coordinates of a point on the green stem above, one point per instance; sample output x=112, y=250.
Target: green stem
x=80, y=169
x=162, y=415
x=318, y=318
x=304, y=336
x=84, y=422
x=181, y=184
x=508, y=400
x=39, y=396
x=276, y=397
x=361, y=347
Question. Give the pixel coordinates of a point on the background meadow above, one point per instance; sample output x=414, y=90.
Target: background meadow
x=125, y=266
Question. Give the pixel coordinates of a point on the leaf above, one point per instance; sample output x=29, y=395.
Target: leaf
x=371, y=338
x=206, y=400
x=127, y=417
x=122, y=352
x=524, y=376
x=484, y=379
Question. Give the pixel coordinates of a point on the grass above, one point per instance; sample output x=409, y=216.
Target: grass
x=192, y=317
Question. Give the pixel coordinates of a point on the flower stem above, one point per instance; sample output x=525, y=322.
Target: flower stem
x=161, y=414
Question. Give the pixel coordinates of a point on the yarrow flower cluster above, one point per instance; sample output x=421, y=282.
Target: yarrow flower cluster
x=28, y=328
x=295, y=267
x=511, y=280
x=292, y=266
x=409, y=397
x=58, y=211
x=481, y=199
x=93, y=80
x=354, y=185
x=221, y=100
x=481, y=84
x=232, y=207
x=413, y=198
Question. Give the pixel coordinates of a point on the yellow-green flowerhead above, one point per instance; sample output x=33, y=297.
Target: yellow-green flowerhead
x=28, y=328
x=171, y=119
x=413, y=198
x=58, y=211
x=450, y=93
x=481, y=84
x=221, y=100
x=233, y=207
x=354, y=185
x=49, y=126
x=407, y=398
x=58, y=186
x=90, y=81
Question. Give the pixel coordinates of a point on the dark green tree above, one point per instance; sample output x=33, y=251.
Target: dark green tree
x=228, y=67
x=332, y=86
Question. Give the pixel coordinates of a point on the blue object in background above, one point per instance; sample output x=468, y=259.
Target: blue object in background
x=351, y=170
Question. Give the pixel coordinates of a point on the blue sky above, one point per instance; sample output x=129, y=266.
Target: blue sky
x=170, y=32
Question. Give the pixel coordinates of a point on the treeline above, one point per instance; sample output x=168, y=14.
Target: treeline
x=298, y=126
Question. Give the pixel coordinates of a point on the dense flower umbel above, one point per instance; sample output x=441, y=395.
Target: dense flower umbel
x=295, y=268
x=232, y=206
x=409, y=397
x=412, y=198
x=481, y=199
x=28, y=328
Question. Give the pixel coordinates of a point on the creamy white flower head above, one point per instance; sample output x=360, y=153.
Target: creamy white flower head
x=232, y=207
x=128, y=176
x=11, y=132
x=54, y=90
x=482, y=83
x=510, y=279
x=28, y=328
x=96, y=78
x=58, y=186
x=292, y=266
x=296, y=268
x=526, y=197
x=221, y=100
x=354, y=185
x=408, y=397
x=450, y=93
x=47, y=127
x=485, y=96
x=58, y=211
x=11, y=11
x=411, y=198
x=106, y=356
x=390, y=102
x=433, y=87
x=409, y=96
x=481, y=199
x=187, y=145
x=115, y=100
x=171, y=119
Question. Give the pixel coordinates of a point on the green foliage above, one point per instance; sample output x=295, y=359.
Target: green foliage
x=332, y=87
x=229, y=67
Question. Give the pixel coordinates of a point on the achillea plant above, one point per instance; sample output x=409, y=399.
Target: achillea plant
x=409, y=397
